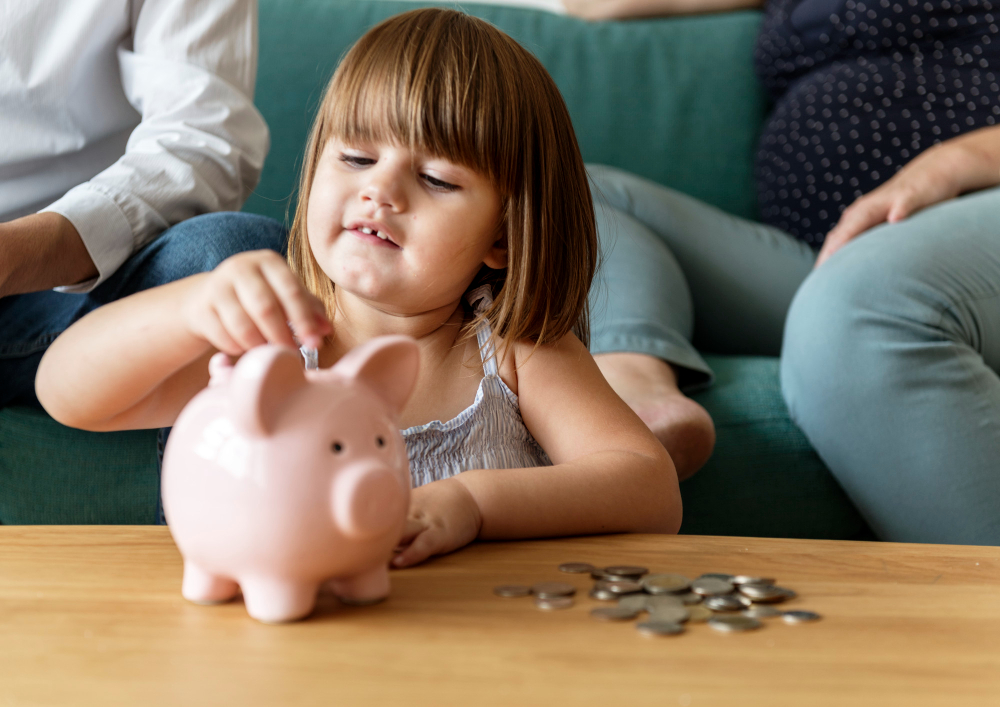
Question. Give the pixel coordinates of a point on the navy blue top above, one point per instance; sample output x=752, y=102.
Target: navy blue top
x=860, y=88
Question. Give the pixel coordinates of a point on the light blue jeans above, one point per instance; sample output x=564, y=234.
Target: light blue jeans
x=890, y=350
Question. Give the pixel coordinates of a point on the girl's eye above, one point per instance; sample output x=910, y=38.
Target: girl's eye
x=438, y=184
x=355, y=160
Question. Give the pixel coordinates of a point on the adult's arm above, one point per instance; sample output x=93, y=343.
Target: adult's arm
x=189, y=70
x=966, y=163
x=632, y=9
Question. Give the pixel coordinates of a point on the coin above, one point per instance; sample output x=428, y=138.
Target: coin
x=655, y=627
x=598, y=574
x=766, y=593
x=690, y=598
x=699, y=613
x=553, y=603
x=800, y=617
x=619, y=586
x=730, y=623
x=576, y=567
x=603, y=594
x=748, y=579
x=639, y=602
x=613, y=613
x=711, y=586
x=665, y=583
x=673, y=614
x=512, y=590
x=726, y=602
x=547, y=590
x=761, y=611
x=626, y=571
x=655, y=601
x=717, y=575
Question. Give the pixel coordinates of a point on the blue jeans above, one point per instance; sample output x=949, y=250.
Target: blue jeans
x=890, y=350
x=30, y=322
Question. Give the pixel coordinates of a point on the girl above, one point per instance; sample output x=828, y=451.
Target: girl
x=444, y=197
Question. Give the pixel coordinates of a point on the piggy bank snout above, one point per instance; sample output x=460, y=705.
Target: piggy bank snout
x=368, y=499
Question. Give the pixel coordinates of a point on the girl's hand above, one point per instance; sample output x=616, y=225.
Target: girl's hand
x=443, y=517
x=941, y=172
x=251, y=299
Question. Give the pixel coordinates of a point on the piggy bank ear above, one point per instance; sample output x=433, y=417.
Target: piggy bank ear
x=260, y=386
x=388, y=365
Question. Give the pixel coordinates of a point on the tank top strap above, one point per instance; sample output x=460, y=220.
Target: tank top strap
x=480, y=299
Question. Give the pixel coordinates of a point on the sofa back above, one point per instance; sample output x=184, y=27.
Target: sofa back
x=673, y=100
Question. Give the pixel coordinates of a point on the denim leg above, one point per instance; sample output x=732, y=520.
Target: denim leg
x=675, y=270
x=30, y=322
x=890, y=366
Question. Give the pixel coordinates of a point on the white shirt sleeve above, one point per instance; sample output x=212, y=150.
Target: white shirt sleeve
x=189, y=70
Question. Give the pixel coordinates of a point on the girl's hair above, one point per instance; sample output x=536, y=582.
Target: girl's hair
x=453, y=86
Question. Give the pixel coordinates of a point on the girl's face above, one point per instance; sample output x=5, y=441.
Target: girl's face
x=404, y=230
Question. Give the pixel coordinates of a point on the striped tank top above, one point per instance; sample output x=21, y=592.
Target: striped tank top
x=489, y=434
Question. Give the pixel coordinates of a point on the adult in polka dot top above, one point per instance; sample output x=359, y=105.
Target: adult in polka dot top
x=875, y=271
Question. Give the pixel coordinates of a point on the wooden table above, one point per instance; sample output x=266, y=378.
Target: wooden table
x=94, y=616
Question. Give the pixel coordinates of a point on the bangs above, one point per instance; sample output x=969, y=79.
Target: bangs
x=435, y=85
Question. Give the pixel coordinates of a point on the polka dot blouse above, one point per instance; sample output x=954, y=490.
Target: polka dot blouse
x=860, y=88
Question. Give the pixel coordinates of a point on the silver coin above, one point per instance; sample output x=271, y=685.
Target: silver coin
x=598, y=574
x=749, y=579
x=632, y=571
x=655, y=601
x=717, y=575
x=699, y=613
x=673, y=614
x=711, y=586
x=726, y=602
x=730, y=623
x=635, y=601
x=766, y=593
x=512, y=590
x=800, y=617
x=619, y=586
x=665, y=583
x=576, y=567
x=655, y=627
x=761, y=611
x=603, y=594
x=613, y=613
x=553, y=603
x=690, y=598
x=547, y=590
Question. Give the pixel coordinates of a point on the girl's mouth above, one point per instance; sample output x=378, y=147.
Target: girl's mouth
x=370, y=235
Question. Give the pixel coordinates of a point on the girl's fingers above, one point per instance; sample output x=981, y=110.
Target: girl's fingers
x=262, y=306
x=422, y=547
x=236, y=322
x=301, y=309
x=217, y=335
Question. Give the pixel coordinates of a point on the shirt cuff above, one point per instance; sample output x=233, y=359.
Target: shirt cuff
x=102, y=226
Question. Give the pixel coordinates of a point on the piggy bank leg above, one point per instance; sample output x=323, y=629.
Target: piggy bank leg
x=368, y=588
x=203, y=587
x=275, y=601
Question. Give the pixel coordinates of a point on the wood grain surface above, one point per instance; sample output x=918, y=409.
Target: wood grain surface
x=94, y=616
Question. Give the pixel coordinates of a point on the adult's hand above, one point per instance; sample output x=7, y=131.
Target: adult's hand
x=941, y=172
x=42, y=251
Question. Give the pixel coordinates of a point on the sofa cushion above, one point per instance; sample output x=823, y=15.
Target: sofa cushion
x=675, y=100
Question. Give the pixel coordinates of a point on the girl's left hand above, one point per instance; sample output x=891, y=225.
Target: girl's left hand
x=443, y=517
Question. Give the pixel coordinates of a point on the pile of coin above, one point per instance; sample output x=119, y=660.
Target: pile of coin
x=726, y=602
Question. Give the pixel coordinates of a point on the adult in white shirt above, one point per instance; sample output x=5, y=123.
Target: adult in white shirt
x=118, y=120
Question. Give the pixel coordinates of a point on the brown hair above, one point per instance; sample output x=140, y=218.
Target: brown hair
x=451, y=85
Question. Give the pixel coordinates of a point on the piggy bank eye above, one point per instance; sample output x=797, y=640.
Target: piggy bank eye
x=380, y=441
x=337, y=447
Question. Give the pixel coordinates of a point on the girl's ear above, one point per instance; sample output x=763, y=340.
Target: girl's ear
x=496, y=257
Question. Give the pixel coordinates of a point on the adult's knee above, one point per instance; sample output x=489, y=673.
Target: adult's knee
x=205, y=241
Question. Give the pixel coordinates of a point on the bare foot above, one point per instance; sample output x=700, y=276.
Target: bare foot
x=649, y=386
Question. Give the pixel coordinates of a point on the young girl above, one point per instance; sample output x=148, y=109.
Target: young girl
x=443, y=196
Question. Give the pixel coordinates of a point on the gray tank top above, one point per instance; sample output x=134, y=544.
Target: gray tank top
x=489, y=434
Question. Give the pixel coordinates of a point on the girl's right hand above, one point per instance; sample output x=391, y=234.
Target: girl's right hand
x=251, y=299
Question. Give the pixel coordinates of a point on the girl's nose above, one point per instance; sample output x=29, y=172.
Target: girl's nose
x=385, y=189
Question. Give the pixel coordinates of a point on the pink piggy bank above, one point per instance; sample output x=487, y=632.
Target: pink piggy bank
x=278, y=480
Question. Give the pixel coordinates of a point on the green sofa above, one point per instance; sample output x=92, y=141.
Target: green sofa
x=673, y=100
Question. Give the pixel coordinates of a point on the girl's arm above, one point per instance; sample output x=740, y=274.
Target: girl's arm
x=136, y=362
x=609, y=473
x=631, y=9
